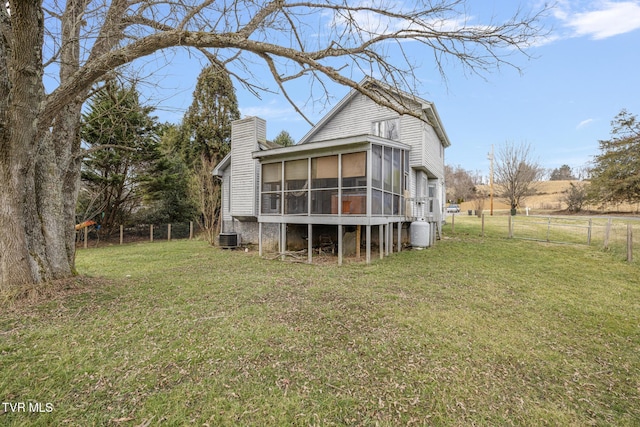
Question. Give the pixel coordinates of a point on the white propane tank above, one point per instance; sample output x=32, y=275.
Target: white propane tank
x=419, y=231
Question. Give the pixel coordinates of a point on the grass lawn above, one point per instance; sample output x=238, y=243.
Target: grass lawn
x=470, y=332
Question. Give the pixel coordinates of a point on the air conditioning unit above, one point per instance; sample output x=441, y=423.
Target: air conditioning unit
x=229, y=240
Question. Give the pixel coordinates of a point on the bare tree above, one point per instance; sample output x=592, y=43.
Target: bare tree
x=77, y=43
x=461, y=185
x=516, y=173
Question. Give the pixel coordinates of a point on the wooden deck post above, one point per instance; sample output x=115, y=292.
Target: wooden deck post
x=283, y=240
x=310, y=243
x=381, y=240
x=368, y=237
x=358, y=240
x=340, y=244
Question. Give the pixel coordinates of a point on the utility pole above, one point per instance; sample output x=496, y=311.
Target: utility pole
x=490, y=157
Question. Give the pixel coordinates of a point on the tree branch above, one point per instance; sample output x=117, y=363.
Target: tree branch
x=432, y=24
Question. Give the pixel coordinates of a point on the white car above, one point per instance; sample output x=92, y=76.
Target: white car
x=453, y=208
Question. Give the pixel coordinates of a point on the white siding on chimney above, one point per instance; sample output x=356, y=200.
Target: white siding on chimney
x=245, y=135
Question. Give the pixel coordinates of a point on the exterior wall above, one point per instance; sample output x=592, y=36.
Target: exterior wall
x=245, y=136
x=249, y=233
x=356, y=118
x=432, y=153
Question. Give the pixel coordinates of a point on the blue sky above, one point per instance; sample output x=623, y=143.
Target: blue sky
x=577, y=79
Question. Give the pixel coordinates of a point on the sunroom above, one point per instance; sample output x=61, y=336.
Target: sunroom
x=357, y=183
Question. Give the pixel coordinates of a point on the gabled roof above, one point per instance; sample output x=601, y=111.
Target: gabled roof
x=222, y=166
x=427, y=107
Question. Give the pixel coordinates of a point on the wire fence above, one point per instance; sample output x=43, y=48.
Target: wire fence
x=620, y=235
x=92, y=236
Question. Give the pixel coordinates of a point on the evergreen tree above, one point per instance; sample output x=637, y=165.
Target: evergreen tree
x=563, y=173
x=207, y=128
x=168, y=195
x=616, y=171
x=284, y=138
x=120, y=137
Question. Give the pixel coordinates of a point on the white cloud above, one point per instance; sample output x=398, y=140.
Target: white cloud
x=584, y=123
x=605, y=19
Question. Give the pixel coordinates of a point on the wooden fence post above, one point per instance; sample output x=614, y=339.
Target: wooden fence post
x=169, y=232
x=482, y=224
x=190, y=230
x=510, y=227
x=151, y=233
x=121, y=233
x=629, y=243
x=589, y=232
x=86, y=237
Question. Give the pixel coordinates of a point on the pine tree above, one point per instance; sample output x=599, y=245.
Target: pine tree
x=616, y=171
x=121, y=138
x=207, y=126
x=284, y=138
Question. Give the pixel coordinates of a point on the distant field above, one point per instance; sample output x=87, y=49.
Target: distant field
x=548, y=198
x=473, y=331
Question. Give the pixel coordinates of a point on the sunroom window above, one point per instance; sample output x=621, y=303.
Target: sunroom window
x=271, y=188
x=354, y=183
x=296, y=175
x=324, y=185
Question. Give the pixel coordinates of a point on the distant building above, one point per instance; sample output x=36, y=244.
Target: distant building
x=360, y=177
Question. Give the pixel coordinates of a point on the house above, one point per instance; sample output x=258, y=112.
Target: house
x=364, y=176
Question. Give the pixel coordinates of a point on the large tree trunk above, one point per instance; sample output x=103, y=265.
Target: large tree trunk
x=39, y=170
x=20, y=261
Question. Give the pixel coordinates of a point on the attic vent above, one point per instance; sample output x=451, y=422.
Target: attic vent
x=229, y=240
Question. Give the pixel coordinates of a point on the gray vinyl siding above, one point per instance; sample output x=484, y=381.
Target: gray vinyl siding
x=246, y=134
x=432, y=153
x=356, y=118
